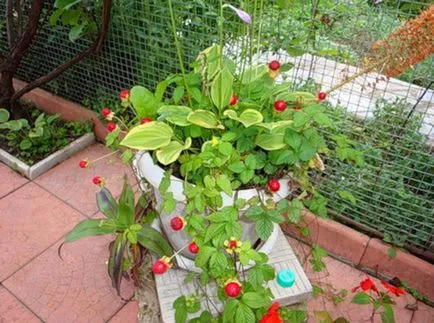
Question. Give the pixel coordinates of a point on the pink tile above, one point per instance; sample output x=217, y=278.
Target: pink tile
x=74, y=185
x=10, y=180
x=31, y=220
x=76, y=289
x=338, y=276
x=12, y=311
x=128, y=314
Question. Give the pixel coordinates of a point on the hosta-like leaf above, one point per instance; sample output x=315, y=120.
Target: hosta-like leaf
x=248, y=117
x=106, y=203
x=116, y=261
x=176, y=114
x=149, y=136
x=253, y=73
x=171, y=152
x=4, y=115
x=204, y=119
x=270, y=141
x=275, y=125
x=221, y=89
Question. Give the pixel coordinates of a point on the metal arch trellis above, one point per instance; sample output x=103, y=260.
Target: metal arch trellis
x=323, y=40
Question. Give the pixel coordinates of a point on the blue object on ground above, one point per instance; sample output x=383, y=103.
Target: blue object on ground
x=285, y=278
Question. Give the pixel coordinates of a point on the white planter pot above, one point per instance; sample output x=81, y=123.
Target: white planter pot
x=153, y=174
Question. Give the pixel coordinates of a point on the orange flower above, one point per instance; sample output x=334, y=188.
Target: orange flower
x=398, y=291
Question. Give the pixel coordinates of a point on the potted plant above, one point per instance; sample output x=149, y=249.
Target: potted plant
x=224, y=153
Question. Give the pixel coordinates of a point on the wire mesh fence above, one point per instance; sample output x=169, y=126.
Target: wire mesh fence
x=389, y=119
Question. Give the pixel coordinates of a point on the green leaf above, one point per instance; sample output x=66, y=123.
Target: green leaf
x=178, y=94
x=244, y=314
x=4, y=115
x=148, y=136
x=300, y=119
x=270, y=141
x=147, y=233
x=264, y=228
x=306, y=151
x=247, y=175
x=66, y=4
x=126, y=205
x=76, y=31
x=236, y=167
x=221, y=89
x=106, y=203
x=224, y=184
x=204, y=119
x=218, y=261
x=323, y=317
x=170, y=153
x=322, y=119
x=144, y=102
x=229, y=310
x=214, y=230
x=253, y=73
x=180, y=307
x=250, y=117
x=293, y=138
x=203, y=255
x=127, y=156
x=255, y=300
x=387, y=315
x=391, y=252
x=116, y=260
x=347, y=196
x=89, y=227
x=25, y=144
x=225, y=148
x=361, y=298
x=176, y=114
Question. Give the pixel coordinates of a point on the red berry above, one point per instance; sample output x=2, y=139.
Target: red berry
x=106, y=112
x=274, y=65
x=177, y=223
x=232, y=289
x=159, y=267
x=124, y=94
x=234, y=100
x=193, y=247
x=145, y=120
x=280, y=105
x=98, y=180
x=322, y=96
x=273, y=185
x=111, y=126
x=83, y=163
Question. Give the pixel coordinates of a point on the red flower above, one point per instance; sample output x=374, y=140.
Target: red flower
x=124, y=95
x=398, y=291
x=234, y=100
x=111, y=126
x=145, y=120
x=366, y=285
x=98, y=180
x=83, y=163
x=105, y=112
x=272, y=316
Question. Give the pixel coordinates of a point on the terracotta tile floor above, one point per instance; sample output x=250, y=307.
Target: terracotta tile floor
x=37, y=286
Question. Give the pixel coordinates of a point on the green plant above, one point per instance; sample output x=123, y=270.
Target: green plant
x=33, y=139
x=130, y=223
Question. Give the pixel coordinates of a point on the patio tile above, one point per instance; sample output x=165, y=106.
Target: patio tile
x=74, y=185
x=31, y=220
x=12, y=311
x=76, y=289
x=128, y=314
x=10, y=180
x=338, y=276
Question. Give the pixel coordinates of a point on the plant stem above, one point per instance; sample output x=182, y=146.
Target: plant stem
x=105, y=156
x=178, y=50
x=220, y=26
